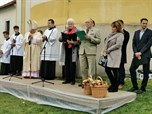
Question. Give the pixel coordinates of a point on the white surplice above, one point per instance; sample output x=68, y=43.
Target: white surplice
x=6, y=48
x=18, y=49
x=52, y=45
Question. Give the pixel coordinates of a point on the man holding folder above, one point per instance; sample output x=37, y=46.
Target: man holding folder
x=88, y=49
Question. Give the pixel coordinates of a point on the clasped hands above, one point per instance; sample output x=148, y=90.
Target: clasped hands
x=44, y=37
x=138, y=55
x=30, y=36
x=13, y=43
x=70, y=41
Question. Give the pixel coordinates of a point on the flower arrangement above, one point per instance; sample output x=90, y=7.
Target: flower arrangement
x=88, y=81
x=99, y=83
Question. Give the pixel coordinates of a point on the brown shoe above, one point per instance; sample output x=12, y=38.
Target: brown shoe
x=120, y=86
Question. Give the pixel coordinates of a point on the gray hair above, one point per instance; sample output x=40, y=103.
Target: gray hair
x=70, y=20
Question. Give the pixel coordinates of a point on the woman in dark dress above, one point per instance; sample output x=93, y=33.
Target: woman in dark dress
x=69, y=52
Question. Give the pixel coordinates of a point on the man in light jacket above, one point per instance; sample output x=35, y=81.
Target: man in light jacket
x=88, y=50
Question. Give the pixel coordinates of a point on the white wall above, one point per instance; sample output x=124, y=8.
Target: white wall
x=7, y=14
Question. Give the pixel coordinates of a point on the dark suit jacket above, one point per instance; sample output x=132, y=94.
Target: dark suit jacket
x=143, y=45
x=124, y=46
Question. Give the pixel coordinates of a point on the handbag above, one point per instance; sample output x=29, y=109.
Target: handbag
x=103, y=61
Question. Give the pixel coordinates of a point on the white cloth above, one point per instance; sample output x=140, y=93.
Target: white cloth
x=62, y=55
x=18, y=49
x=52, y=46
x=6, y=48
x=141, y=33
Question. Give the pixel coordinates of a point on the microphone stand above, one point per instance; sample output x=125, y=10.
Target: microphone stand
x=10, y=76
x=30, y=59
x=42, y=78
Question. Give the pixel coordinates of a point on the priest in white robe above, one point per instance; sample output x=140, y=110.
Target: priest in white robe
x=32, y=47
x=49, y=52
x=16, y=61
x=5, y=54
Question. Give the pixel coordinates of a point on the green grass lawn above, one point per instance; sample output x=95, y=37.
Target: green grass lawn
x=12, y=105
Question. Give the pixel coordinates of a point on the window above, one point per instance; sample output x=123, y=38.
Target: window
x=7, y=26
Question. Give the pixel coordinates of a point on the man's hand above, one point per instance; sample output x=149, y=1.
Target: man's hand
x=138, y=55
x=13, y=44
x=107, y=52
x=88, y=37
x=44, y=37
x=30, y=36
x=78, y=38
x=139, y=58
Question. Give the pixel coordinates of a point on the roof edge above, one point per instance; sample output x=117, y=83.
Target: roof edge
x=8, y=4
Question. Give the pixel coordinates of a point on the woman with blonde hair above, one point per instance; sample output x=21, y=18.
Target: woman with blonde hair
x=112, y=50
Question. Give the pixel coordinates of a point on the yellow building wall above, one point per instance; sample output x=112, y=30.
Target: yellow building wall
x=102, y=11
x=23, y=16
x=55, y=9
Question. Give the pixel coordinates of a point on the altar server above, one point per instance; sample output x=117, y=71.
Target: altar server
x=49, y=52
x=5, y=54
x=16, y=61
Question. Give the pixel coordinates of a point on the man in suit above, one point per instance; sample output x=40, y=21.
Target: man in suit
x=88, y=50
x=124, y=56
x=142, y=42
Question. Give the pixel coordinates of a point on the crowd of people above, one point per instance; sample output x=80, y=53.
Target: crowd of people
x=35, y=54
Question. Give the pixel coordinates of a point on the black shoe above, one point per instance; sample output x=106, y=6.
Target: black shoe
x=140, y=91
x=81, y=85
x=65, y=82
x=133, y=89
x=113, y=89
x=110, y=87
x=72, y=83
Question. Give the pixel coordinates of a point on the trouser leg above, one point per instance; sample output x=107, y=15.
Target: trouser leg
x=146, y=75
x=92, y=65
x=84, y=66
x=121, y=74
x=133, y=69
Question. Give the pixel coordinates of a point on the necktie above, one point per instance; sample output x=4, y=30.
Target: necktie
x=87, y=31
